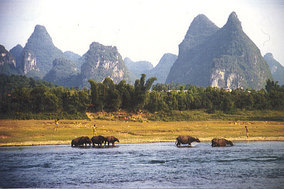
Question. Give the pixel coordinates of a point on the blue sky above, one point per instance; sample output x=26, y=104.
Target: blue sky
x=141, y=29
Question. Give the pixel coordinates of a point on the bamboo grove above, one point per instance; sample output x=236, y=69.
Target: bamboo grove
x=26, y=96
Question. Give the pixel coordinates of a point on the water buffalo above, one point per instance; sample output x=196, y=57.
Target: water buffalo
x=186, y=140
x=99, y=140
x=81, y=141
x=110, y=139
x=220, y=142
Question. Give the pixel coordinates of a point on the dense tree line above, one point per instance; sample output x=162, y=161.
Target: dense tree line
x=179, y=97
x=108, y=96
x=20, y=94
x=24, y=95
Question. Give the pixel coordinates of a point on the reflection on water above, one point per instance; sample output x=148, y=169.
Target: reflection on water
x=150, y=165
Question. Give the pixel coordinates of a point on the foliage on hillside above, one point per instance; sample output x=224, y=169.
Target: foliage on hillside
x=13, y=82
x=63, y=73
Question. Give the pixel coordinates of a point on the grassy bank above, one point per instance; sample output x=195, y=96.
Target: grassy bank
x=166, y=116
x=41, y=132
x=193, y=115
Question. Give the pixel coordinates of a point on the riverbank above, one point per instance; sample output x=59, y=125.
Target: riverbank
x=43, y=143
x=45, y=132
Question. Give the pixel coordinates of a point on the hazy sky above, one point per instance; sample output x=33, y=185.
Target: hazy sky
x=141, y=29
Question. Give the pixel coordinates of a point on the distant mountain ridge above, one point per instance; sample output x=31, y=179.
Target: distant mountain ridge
x=183, y=71
x=103, y=61
x=7, y=62
x=137, y=67
x=276, y=68
x=63, y=73
x=162, y=69
x=208, y=56
x=17, y=53
x=75, y=58
x=40, y=59
x=200, y=29
x=224, y=58
x=40, y=48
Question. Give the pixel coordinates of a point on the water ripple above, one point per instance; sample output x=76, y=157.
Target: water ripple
x=155, y=165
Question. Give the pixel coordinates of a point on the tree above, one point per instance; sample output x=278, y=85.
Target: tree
x=20, y=100
x=38, y=99
x=182, y=100
x=171, y=100
x=276, y=94
x=112, y=96
x=140, y=91
x=126, y=92
x=227, y=104
x=155, y=102
x=271, y=85
x=95, y=96
x=50, y=102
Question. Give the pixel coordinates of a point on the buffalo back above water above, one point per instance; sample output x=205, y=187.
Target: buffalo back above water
x=221, y=142
x=81, y=141
x=186, y=140
x=98, y=140
x=111, y=139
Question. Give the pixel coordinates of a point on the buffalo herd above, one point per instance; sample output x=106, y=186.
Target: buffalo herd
x=216, y=142
x=101, y=140
x=95, y=140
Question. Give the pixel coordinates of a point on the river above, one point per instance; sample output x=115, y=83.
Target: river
x=147, y=165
